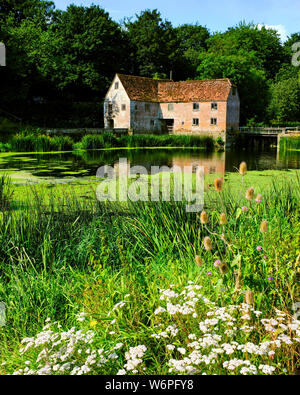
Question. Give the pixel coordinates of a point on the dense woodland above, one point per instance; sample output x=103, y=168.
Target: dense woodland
x=60, y=63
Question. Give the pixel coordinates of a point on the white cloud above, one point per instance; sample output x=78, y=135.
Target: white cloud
x=279, y=28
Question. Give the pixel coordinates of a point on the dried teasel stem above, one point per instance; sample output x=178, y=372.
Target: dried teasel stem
x=243, y=169
x=198, y=260
x=264, y=226
x=218, y=184
x=238, y=277
x=223, y=268
x=249, y=297
x=223, y=220
x=204, y=218
x=249, y=193
x=207, y=243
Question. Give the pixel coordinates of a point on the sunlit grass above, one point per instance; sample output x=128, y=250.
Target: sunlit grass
x=62, y=253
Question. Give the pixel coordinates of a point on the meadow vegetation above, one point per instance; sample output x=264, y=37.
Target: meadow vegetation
x=147, y=288
x=36, y=141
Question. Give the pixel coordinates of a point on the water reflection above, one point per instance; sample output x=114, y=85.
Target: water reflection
x=82, y=164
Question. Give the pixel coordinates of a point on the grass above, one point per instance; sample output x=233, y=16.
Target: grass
x=24, y=142
x=131, y=268
x=290, y=143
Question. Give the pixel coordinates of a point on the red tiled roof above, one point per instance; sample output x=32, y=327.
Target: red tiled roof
x=148, y=89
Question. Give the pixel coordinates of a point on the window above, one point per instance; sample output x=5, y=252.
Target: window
x=195, y=106
x=116, y=85
x=214, y=106
x=135, y=106
x=233, y=91
x=147, y=107
x=213, y=121
x=123, y=107
x=195, y=121
x=182, y=123
x=109, y=107
x=152, y=122
x=171, y=107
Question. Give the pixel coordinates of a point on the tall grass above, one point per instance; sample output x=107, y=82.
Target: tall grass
x=24, y=142
x=290, y=143
x=64, y=255
x=30, y=142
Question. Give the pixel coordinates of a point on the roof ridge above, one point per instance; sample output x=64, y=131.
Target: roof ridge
x=162, y=90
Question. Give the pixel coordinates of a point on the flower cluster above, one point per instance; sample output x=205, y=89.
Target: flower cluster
x=222, y=343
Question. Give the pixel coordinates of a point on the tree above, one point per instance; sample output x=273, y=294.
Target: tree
x=153, y=41
x=264, y=43
x=191, y=41
x=21, y=23
x=244, y=70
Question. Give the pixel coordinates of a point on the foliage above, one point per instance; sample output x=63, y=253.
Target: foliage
x=153, y=43
x=72, y=55
x=285, y=100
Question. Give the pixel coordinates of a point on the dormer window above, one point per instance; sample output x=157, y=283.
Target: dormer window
x=116, y=85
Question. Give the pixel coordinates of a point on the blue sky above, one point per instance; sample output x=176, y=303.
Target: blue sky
x=217, y=15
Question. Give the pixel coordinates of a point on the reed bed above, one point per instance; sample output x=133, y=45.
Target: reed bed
x=34, y=142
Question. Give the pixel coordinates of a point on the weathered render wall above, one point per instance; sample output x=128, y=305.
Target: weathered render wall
x=117, y=98
x=144, y=116
x=183, y=115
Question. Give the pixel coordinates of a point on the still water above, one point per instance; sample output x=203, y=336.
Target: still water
x=65, y=166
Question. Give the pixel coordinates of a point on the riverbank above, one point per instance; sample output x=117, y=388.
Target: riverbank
x=84, y=188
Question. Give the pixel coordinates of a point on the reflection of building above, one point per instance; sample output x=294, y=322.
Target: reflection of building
x=214, y=164
x=190, y=107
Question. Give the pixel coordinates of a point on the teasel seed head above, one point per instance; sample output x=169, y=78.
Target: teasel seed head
x=218, y=184
x=250, y=193
x=249, y=297
x=203, y=218
x=223, y=268
x=243, y=169
x=198, y=260
x=264, y=226
x=223, y=220
x=207, y=243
